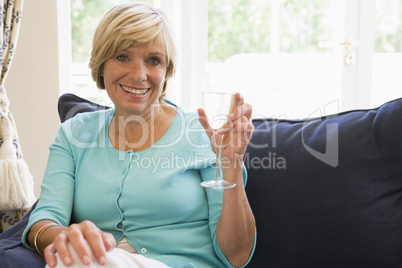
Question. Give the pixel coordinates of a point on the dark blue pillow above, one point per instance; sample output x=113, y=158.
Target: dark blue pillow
x=327, y=192
x=70, y=105
x=13, y=253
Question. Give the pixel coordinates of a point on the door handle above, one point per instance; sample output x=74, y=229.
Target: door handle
x=349, y=44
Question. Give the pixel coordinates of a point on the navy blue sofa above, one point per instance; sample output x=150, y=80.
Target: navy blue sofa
x=325, y=192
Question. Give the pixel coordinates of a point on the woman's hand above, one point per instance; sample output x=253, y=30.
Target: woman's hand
x=234, y=136
x=85, y=239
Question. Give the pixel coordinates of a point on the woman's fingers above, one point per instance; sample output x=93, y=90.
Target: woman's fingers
x=85, y=239
x=244, y=109
x=108, y=241
x=241, y=108
x=241, y=124
x=204, y=122
x=235, y=133
x=92, y=235
x=60, y=245
x=238, y=133
x=50, y=256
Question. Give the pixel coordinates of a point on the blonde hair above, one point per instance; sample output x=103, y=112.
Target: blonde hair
x=132, y=24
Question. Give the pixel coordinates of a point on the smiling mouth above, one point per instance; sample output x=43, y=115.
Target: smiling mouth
x=137, y=92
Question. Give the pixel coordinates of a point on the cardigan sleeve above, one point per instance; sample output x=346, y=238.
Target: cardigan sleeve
x=57, y=189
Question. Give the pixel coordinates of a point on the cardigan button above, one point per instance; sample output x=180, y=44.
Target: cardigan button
x=143, y=250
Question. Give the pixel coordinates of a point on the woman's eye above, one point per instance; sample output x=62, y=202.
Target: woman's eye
x=154, y=61
x=122, y=58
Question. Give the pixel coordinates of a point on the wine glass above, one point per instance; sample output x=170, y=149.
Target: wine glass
x=217, y=106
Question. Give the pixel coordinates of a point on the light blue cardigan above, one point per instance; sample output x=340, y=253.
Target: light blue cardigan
x=152, y=197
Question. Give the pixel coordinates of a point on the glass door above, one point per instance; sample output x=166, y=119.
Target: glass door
x=387, y=59
x=302, y=58
x=289, y=62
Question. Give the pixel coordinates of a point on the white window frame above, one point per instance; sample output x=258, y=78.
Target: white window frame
x=64, y=45
x=192, y=37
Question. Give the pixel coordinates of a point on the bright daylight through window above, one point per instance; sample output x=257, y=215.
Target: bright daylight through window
x=290, y=58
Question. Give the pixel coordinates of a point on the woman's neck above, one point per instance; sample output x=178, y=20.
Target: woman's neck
x=139, y=132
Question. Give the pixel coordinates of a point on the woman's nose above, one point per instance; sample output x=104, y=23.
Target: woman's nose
x=138, y=71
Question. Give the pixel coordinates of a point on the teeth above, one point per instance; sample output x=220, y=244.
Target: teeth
x=135, y=91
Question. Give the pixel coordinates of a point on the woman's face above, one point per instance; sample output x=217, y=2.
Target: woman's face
x=134, y=78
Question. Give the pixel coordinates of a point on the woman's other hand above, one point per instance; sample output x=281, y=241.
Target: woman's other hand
x=234, y=136
x=86, y=239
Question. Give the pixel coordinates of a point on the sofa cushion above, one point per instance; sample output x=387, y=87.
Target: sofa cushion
x=70, y=105
x=12, y=252
x=327, y=192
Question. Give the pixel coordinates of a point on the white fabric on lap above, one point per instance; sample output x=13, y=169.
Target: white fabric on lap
x=116, y=258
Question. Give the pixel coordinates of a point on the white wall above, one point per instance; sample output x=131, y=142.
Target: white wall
x=33, y=84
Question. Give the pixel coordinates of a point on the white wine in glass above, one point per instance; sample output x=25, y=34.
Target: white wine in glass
x=217, y=106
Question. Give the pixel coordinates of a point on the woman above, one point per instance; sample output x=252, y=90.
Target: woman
x=129, y=177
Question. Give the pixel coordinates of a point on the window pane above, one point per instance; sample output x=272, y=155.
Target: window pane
x=237, y=26
x=282, y=55
x=85, y=16
x=304, y=24
x=389, y=26
x=387, y=61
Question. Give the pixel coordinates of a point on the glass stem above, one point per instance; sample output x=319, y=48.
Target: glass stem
x=218, y=164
